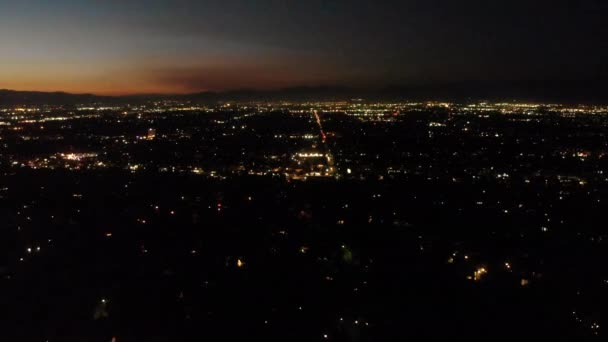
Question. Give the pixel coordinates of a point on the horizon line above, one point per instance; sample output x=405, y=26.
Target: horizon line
x=386, y=87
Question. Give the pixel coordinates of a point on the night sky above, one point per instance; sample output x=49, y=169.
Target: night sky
x=179, y=46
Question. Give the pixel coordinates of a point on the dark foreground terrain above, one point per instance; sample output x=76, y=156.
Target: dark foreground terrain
x=428, y=221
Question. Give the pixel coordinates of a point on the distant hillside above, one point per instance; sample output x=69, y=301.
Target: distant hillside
x=554, y=91
x=550, y=91
x=13, y=97
x=291, y=94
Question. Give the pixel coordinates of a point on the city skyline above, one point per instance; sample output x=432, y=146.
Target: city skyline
x=303, y=170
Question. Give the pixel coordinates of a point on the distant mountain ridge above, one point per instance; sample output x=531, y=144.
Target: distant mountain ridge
x=552, y=91
x=14, y=97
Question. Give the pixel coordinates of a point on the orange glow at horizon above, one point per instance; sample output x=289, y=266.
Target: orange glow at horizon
x=98, y=86
x=136, y=84
x=150, y=76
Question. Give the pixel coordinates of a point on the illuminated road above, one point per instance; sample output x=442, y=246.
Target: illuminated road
x=330, y=160
x=318, y=118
